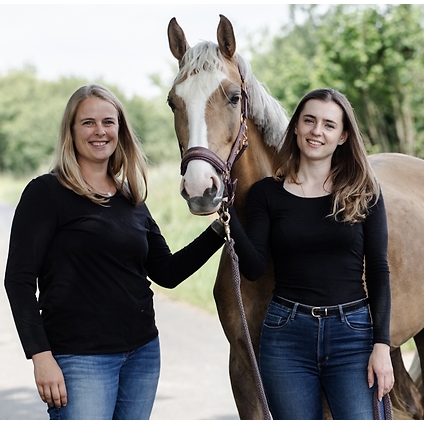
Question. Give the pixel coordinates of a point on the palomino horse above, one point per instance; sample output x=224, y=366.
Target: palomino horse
x=213, y=96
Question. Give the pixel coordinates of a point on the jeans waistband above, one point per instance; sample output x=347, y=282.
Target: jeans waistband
x=322, y=311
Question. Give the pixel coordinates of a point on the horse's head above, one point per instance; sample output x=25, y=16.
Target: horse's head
x=207, y=100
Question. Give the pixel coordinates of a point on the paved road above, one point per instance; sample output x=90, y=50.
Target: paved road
x=194, y=382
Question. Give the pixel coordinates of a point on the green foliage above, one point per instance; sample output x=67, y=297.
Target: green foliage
x=372, y=53
x=152, y=120
x=31, y=111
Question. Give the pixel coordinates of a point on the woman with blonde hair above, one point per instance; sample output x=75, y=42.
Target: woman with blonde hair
x=83, y=236
x=126, y=167
x=323, y=220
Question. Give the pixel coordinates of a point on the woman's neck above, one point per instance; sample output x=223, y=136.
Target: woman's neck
x=98, y=180
x=313, y=181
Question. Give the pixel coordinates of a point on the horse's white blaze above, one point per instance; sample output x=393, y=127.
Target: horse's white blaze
x=196, y=91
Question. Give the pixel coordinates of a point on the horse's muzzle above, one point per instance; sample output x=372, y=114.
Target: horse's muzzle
x=207, y=204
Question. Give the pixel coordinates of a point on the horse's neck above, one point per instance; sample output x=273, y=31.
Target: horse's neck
x=253, y=165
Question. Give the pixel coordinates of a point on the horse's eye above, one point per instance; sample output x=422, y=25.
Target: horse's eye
x=235, y=99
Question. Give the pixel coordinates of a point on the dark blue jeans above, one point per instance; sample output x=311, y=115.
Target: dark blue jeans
x=302, y=357
x=119, y=386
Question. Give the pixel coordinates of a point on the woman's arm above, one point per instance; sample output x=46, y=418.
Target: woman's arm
x=378, y=286
x=31, y=234
x=169, y=269
x=251, y=246
x=377, y=275
x=252, y=242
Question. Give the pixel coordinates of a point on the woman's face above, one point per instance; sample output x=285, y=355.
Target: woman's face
x=95, y=131
x=319, y=129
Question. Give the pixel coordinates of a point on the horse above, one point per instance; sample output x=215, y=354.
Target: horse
x=220, y=108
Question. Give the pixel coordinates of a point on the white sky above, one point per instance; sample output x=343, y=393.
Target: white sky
x=123, y=43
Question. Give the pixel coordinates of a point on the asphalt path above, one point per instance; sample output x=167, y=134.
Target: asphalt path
x=194, y=382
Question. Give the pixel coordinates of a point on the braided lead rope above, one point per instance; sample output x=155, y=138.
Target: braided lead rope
x=387, y=404
x=237, y=285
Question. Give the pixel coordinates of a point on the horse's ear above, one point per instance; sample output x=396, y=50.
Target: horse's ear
x=177, y=40
x=226, y=38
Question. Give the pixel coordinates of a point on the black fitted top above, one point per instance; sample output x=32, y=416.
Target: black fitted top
x=93, y=264
x=317, y=261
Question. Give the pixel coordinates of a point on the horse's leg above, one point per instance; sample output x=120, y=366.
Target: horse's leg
x=418, y=377
x=242, y=382
x=416, y=373
x=408, y=394
x=405, y=396
x=241, y=376
x=256, y=296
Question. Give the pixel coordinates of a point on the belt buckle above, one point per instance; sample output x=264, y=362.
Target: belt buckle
x=318, y=315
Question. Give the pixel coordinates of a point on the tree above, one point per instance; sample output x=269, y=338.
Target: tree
x=31, y=111
x=376, y=55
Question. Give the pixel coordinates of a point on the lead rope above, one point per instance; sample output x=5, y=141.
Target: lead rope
x=387, y=404
x=224, y=218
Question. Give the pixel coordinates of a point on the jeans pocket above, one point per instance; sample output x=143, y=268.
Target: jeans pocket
x=359, y=320
x=277, y=317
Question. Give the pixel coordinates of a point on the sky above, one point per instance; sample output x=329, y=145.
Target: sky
x=121, y=44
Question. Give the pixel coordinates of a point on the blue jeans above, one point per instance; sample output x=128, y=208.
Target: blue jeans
x=302, y=358
x=119, y=386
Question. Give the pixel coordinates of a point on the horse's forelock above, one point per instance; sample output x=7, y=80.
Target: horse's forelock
x=204, y=56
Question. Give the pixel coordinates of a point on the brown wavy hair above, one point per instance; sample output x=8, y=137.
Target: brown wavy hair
x=355, y=187
x=127, y=166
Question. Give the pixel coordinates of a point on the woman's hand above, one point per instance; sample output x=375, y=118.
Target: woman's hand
x=380, y=365
x=49, y=379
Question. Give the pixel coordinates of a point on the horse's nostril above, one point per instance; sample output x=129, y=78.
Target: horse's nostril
x=210, y=192
x=184, y=194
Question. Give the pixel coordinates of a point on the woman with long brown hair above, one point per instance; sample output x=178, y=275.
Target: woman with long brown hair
x=322, y=218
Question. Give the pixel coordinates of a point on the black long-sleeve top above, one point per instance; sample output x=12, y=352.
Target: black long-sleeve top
x=92, y=265
x=317, y=261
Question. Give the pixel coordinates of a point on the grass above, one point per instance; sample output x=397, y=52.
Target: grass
x=408, y=346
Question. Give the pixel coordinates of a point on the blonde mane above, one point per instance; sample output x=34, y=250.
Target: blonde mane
x=265, y=111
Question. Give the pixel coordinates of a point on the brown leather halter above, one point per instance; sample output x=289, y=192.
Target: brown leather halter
x=224, y=168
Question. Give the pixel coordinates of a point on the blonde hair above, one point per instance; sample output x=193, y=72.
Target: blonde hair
x=127, y=165
x=355, y=187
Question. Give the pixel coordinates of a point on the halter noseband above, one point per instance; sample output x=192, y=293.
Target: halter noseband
x=239, y=146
